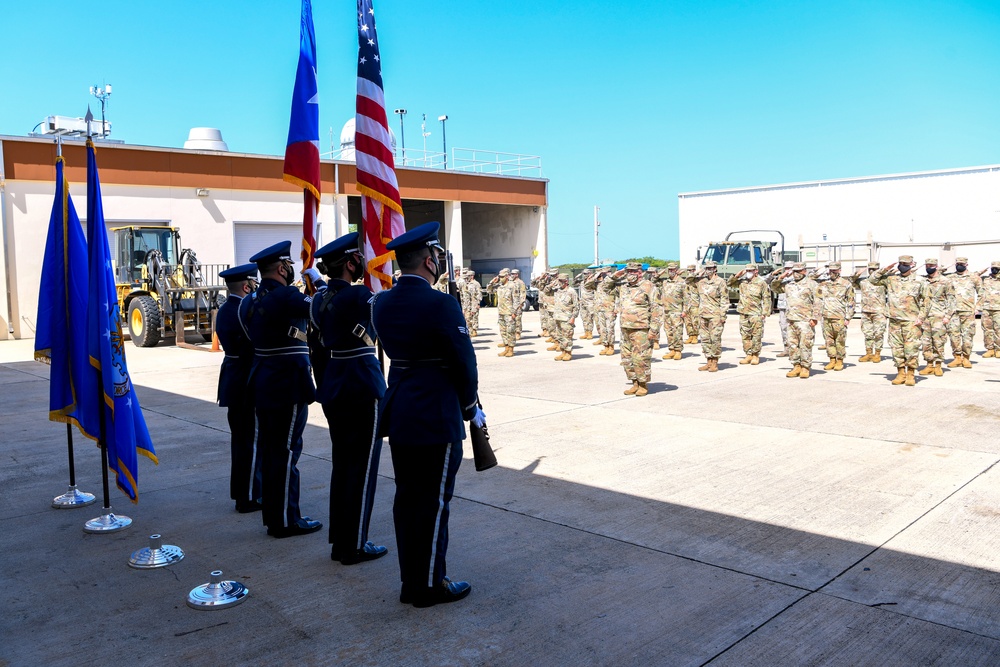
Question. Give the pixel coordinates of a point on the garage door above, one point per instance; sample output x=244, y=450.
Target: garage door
x=252, y=237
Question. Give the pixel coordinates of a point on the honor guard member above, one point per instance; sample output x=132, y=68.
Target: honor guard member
x=275, y=318
x=520, y=296
x=349, y=391
x=235, y=394
x=433, y=384
x=909, y=306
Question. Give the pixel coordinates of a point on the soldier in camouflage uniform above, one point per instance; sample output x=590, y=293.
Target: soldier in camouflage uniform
x=962, y=329
x=672, y=289
x=909, y=303
x=520, y=297
x=606, y=309
x=538, y=282
x=638, y=299
x=691, y=318
x=588, y=297
x=713, y=303
x=546, y=297
x=442, y=283
x=990, y=307
x=652, y=276
x=565, y=308
x=873, y=309
x=939, y=313
x=782, y=310
x=837, y=295
x=504, y=291
x=754, y=307
x=473, y=296
x=804, y=307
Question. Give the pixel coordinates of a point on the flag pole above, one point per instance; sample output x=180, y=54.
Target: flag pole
x=107, y=522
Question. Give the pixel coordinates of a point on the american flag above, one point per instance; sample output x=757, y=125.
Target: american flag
x=381, y=208
x=302, y=150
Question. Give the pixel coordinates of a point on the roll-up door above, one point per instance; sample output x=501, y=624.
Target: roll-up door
x=252, y=237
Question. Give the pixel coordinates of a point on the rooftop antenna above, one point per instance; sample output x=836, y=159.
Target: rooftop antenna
x=423, y=131
x=102, y=94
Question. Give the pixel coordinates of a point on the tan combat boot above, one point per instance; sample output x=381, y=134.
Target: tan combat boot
x=956, y=362
x=598, y=342
x=928, y=369
x=839, y=366
x=642, y=390
x=692, y=340
x=746, y=360
x=678, y=355
x=510, y=351
x=804, y=372
x=634, y=388
x=567, y=356
x=559, y=357
x=910, y=381
x=656, y=345
x=966, y=363
x=867, y=357
x=669, y=355
x=830, y=366
x=713, y=365
x=706, y=366
x=938, y=371
x=794, y=373
x=755, y=360
x=989, y=354
x=900, y=376
x=501, y=344
x=876, y=356
x=550, y=339
x=552, y=348
x=503, y=352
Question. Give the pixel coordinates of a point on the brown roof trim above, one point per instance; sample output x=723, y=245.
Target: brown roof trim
x=33, y=159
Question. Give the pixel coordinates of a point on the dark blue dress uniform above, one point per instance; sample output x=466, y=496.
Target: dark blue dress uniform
x=235, y=394
x=350, y=389
x=433, y=384
x=275, y=318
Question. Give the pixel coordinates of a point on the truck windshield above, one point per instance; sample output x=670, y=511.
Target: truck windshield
x=739, y=253
x=715, y=253
x=155, y=239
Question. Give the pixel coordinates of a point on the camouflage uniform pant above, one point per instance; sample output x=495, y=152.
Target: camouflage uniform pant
x=506, y=325
x=752, y=332
x=673, y=325
x=710, y=335
x=961, y=330
x=606, y=326
x=904, y=339
x=873, y=327
x=472, y=319
x=517, y=323
x=835, y=334
x=587, y=315
x=800, y=343
x=783, y=325
x=934, y=339
x=563, y=334
x=990, y=319
x=692, y=321
x=637, y=351
x=548, y=323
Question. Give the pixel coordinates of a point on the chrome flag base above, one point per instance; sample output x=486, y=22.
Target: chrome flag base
x=73, y=498
x=217, y=594
x=107, y=523
x=157, y=554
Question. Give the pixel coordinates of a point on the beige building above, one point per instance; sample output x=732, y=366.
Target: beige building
x=227, y=206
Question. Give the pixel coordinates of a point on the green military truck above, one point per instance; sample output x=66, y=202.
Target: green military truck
x=732, y=256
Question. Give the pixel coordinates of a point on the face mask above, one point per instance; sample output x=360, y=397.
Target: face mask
x=994, y=271
x=632, y=278
x=931, y=270
x=960, y=268
x=903, y=268
x=798, y=276
x=834, y=275
x=438, y=269
x=359, y=270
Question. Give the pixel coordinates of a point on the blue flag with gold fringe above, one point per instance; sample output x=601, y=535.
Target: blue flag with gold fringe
x=60, y=333
x=125, y=430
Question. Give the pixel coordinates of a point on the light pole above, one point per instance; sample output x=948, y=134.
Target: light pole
x=597, y=223
x=444, y=143
x=402, y=139
x=102, y=94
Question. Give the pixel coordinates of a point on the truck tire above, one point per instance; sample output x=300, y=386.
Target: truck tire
x=144, y=321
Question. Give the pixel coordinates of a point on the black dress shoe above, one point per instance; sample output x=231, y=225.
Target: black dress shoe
x=248, y=506
x=446, y=591
x=301, y=527
x=370, y=551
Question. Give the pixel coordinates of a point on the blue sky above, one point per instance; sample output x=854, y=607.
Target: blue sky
x=626, y=104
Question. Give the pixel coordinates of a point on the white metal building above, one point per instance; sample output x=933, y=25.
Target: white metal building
x=940, y=213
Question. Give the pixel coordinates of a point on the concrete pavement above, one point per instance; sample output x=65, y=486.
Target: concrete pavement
x=733, y=518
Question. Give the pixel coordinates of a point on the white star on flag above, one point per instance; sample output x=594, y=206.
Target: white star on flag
x=363, y=60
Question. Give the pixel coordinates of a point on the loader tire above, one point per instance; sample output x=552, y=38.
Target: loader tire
x=144, y=321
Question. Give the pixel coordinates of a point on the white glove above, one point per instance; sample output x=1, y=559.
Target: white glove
x=479, y=419
x=312, y=274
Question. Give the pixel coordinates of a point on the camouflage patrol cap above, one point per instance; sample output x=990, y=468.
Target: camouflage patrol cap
x=552, y=272
x=799, y=266
x=961, y=260
x=587, y=272
x=833, y=266
x=931, y=261
x=564, y=277
x=751, y=267
x=905, y=259
x=789, y=265
x=515, y=272
x=633, y=266
x=873, y=265
x=504, y=272
x=995, y=265
x=711, y=265
x=671, y=265
x=691, y=267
